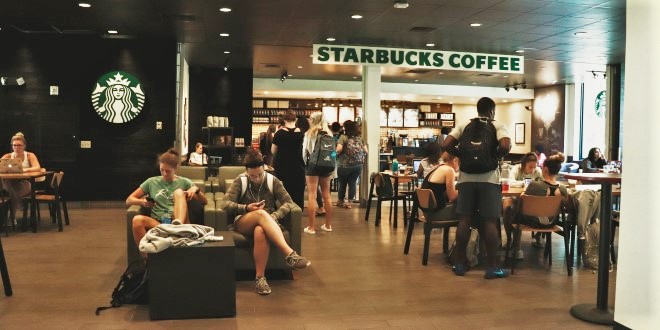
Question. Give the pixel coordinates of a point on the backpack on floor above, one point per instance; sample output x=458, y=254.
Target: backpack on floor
x=354, y=151
x=323, y=157
x=132, y=287
x=478, y=147
x=471, y=252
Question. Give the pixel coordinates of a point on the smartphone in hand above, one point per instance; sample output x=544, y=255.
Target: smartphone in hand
x=262, y=202
x=150, y=199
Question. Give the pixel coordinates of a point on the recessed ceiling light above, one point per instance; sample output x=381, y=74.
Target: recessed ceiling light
x=430, y=44
x=224, y=34
x=475, y=24
x=300, y=67
x=553, y=82
x=441, y=72
x=225, y=9
x=504, y=76
x=312, y=56
x=266, y=92
x=84, y=4
x=520, y=51
x=331, y=39
x=112, y=31
x=474, y=83
x=227, y=52
x=290, y=75
x=451, y=102
x=439, y=98
x=580, y=33
x=354, y=77
x=416, y=80
x=356, y=16
x=505, y=101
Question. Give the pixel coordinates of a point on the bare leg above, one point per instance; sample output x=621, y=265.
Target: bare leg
x=462, y=237
x=489, y=232
x=141, y=224
x=327, y=201
x=17, y=189
x=312, y=183
x=246, y=226
x=180, y=206
x=260, y=251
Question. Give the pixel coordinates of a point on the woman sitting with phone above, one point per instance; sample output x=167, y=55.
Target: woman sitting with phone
x=257, y=215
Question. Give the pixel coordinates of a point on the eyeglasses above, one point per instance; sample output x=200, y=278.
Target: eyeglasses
x=16, y=145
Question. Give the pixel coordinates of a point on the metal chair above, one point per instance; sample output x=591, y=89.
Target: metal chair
x=427, y=201
x=544, y=206
x=56, y=203
x=384, y=192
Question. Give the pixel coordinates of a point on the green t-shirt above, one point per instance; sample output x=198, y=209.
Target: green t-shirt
x=163, y=193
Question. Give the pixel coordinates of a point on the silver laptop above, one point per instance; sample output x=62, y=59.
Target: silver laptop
x=12, y=165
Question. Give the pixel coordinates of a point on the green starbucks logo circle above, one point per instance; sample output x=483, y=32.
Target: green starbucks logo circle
x=118, y=97
x=600, y=103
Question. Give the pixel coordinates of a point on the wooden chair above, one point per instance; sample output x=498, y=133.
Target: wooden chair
x=543, y=206
x=56, y=203
x=426, y=200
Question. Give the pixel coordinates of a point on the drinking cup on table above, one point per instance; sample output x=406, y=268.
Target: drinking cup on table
x=505, y=185
x=527, y=182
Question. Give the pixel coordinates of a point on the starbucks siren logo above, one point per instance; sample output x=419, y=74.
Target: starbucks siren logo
x=118, y=97
x=600, y=103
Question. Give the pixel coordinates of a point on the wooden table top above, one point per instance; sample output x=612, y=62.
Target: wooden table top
x=24, y=175
x=399, y=175
x=516, y=191
x=595, y=177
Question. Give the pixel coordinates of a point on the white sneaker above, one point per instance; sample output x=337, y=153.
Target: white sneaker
x=309, y=231
x=324, y=228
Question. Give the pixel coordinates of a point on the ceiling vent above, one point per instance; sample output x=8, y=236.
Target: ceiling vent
x=419, y=71
x=422, y=29
x=483, y=75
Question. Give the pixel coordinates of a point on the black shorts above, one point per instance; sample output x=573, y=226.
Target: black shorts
x=481, y=199
x=316, y=172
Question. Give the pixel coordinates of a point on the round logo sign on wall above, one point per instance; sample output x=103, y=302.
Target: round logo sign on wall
x=600, y=103
x=118, y=97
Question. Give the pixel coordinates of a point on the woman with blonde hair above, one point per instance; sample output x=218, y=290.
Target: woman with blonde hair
x=314, y=177
x=18, y=189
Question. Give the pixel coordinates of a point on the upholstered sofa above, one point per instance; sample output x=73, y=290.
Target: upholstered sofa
x=198, y=175
x=226, y=175
x=276, y=266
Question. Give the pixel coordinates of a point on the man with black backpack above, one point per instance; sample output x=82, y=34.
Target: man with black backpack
x=479, y=144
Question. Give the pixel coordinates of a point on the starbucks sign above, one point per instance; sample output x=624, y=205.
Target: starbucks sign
x=118, y=97
x=600, y=104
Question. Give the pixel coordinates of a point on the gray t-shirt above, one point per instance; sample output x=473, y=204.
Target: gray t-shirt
x=491, y=176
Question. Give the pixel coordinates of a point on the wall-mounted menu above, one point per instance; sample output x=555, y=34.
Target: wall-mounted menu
x=346, y=113
x=330, y=114
x=411, y=118
x=395, y=117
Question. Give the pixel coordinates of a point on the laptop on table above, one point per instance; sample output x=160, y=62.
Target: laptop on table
x=12, y=165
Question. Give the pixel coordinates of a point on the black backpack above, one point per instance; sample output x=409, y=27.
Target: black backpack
x=132, y=287
x=477, y=146
x=323, y=157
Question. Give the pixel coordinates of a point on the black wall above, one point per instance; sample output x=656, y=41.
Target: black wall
x=215, y=92
x=122, y=155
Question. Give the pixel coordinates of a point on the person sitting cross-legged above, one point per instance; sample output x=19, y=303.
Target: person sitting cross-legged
x=257, y=215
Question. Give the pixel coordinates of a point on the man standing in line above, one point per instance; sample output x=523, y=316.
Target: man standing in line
x=481, y=143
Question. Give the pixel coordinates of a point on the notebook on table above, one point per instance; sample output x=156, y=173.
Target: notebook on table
x=11, y=165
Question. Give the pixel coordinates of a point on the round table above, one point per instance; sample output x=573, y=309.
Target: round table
x=599, y=313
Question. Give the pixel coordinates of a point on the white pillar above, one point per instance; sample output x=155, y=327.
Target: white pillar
x=370, y=124
x=638, y=280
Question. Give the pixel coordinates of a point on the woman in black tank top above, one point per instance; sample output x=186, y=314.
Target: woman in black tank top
x=442, y=181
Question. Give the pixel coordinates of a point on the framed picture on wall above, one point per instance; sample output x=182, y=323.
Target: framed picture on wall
x=520, y=133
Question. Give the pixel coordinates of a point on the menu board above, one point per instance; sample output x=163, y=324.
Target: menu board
x=395, y=117
x=346, y=113
x=383, y=118
x=411, y=118
x=330, y=114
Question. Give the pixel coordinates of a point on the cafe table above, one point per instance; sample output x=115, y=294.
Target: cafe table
x=30, y=176
x=395, y=177
x=599, y=313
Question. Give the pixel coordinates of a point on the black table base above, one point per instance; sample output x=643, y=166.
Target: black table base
x=591, y=313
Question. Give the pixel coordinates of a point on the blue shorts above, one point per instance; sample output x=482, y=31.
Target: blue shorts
x=480, y=199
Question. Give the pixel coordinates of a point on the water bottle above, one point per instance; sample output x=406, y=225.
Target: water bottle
x=395, y=166
x=166, y=219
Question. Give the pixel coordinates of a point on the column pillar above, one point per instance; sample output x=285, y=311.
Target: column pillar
x=370, y=125
x=637, y=282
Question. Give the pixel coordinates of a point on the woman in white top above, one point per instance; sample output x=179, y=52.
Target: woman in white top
x=314, y=178
x=20, y=188
x=527, y=169
x=198, y=157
